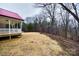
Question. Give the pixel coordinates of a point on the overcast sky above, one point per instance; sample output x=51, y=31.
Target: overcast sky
x=23, y=9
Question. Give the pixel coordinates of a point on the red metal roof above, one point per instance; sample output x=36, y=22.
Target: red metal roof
x=7, y=13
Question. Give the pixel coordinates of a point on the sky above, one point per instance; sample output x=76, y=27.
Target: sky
x=23, y=9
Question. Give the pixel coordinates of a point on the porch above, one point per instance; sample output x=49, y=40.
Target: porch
x=9, y=27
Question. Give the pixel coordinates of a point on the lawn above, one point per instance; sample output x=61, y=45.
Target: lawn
x=31, y=43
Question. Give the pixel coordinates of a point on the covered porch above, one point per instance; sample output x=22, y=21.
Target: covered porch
x=10, y=26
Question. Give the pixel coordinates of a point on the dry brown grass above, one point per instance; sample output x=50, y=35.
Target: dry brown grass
x=70, y=46
x=31, y=43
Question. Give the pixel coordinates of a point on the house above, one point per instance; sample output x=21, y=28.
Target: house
x=10, y=23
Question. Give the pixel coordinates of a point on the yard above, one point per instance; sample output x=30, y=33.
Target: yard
x=31, y=43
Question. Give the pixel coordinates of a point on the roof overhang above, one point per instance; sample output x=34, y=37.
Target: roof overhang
x=6, y=13
x=13, y=18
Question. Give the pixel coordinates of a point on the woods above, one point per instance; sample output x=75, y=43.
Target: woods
x=59, y=19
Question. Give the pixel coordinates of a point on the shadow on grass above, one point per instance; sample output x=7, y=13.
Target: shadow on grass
x=8, y=38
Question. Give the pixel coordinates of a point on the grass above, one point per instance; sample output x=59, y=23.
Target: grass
x=70, y=46
x=31, y=44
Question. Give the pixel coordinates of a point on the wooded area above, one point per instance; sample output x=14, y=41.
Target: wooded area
x=59, y=19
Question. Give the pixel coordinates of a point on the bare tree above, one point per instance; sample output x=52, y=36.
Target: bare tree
x=72, y=13
x=65, y=20
x=76, y=28
x=49, y=9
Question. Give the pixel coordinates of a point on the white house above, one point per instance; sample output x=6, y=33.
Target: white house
x=10, y=23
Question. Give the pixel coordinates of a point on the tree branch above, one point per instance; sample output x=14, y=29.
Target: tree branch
x=74, y=15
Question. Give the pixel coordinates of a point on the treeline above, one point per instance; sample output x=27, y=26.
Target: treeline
x=57, y=19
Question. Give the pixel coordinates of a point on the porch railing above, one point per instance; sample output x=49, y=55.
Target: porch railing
x=9, y=31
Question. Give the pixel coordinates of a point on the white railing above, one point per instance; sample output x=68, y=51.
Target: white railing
x=11, y=31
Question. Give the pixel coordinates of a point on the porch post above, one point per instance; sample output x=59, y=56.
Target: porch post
x=9, y=27
x=21, y=26
x=9, y=30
